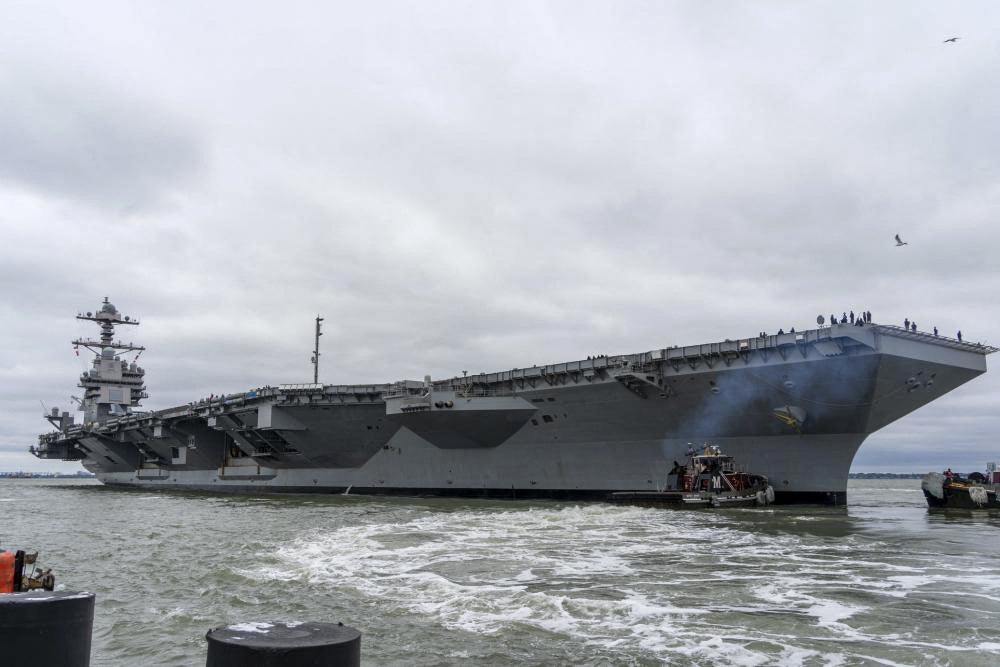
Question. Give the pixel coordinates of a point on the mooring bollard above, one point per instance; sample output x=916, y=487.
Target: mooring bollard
x=284, y=645
x=46, y=628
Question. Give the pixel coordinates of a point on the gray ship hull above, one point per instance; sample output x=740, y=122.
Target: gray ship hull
x=800, y=467
x=795, y=408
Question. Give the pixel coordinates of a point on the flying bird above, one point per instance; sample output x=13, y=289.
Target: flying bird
x=953, y=40
x=900, y=241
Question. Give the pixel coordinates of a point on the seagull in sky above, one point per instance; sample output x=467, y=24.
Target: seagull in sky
x=900, y=241
x=953, y=40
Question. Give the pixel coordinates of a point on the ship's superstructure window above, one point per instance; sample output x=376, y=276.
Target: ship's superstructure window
x=547, y=418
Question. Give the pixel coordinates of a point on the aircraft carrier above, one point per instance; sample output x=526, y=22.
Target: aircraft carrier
x=792, y=406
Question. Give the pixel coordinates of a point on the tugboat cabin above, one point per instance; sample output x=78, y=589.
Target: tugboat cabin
x=709, y=471
x=709, y=479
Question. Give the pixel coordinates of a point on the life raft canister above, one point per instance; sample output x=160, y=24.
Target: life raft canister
x=6, y=571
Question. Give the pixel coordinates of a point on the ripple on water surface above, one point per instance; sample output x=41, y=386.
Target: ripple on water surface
x=452, y=582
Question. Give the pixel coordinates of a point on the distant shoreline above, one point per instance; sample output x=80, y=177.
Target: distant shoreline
x=46, y=475
x=886, y=475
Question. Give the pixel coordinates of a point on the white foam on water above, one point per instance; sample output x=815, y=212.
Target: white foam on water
x=883, y=661
x=719, y=651
x=175, y=612
x=829, y=613
x=595, y=575
x=907, y=583
x=833, y=659
x=525, y=576
x=784, y=595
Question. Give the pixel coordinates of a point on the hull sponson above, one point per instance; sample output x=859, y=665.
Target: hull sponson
x=336, y=436
x=462, y=422
x=795, y=408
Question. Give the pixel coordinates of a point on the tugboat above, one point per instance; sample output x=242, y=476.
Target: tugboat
x=709, y=479
x=975, y=491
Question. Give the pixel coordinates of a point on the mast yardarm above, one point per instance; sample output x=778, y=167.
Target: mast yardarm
x=114, y=386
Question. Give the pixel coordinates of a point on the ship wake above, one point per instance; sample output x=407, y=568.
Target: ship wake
x=739, y=594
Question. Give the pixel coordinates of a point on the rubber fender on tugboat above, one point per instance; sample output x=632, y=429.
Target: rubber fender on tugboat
x=933, y=483
x=978, y=495
x=761, y=498
x=769, y=494
x=6, y=571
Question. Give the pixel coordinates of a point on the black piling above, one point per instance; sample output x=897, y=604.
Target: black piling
x=46, y=628
x=284, y=645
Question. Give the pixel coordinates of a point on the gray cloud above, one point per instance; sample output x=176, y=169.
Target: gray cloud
x=477, y=188
x=63, y=138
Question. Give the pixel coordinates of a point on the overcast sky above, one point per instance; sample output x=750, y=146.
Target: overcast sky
x=478, y=186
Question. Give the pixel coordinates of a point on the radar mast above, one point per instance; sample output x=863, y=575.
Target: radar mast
x=114, y=386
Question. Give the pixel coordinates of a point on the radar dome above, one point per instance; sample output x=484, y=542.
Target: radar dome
x=108, y=308
x=107, y=353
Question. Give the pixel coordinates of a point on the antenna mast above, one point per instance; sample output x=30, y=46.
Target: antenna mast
x=114, y=386
x=315, y=357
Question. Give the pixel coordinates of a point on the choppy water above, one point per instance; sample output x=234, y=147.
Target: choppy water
x=446, y=582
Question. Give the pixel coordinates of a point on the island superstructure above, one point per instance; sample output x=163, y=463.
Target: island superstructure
x=794, y=407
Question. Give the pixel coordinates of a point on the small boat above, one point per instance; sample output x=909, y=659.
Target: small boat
x=709, y=479
x=975, y=491
x=14, y=577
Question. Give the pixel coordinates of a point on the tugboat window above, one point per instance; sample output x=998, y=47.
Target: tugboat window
x=175, y=453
